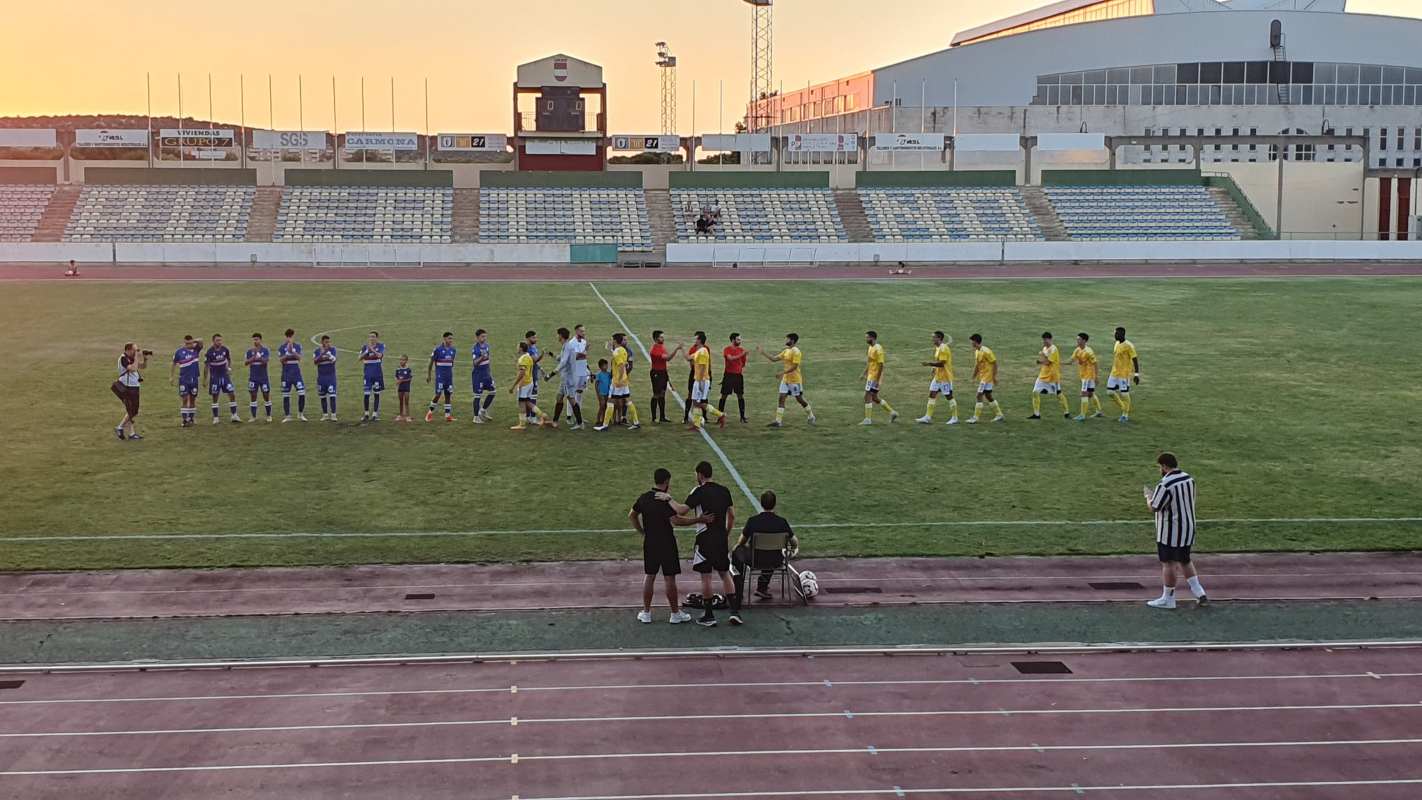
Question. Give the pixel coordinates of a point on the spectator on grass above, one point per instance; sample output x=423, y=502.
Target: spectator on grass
x=130, y=362
x=767, y=521
x=1173, y=501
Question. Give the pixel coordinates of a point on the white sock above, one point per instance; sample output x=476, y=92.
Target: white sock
x=1167, y=592
x=1195, y=587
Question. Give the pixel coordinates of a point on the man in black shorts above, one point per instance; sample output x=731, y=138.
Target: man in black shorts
x=713, y=552
x=770, y=522
x=653, y=515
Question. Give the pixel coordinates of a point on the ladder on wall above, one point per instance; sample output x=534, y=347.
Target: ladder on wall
x=1281, y=61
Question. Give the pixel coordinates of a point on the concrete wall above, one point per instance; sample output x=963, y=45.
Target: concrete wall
x=271, y=253
x=1322, y=199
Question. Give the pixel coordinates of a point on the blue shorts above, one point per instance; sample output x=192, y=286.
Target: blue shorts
x=483, y=382
x=188, y=389
x=325, y=386
x=262, y=385
x=444, y=382
x=292, y=380
x=217, y=384
x=374, y=382
x=403, y=388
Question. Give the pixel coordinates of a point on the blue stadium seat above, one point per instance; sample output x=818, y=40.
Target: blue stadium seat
x=21, y=207
x=363, y=214
x=1095, y=213
x=948, y=214
x=759, y=215
x=576, y=215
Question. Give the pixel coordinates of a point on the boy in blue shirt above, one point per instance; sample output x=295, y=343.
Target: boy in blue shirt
x=325, y=360
x=604, y=386
x=404, y=376
x=185, y=364
x=483, y=376
x=372, y=359
x=442, y=368
x=258, y=356
x=289, y=353
x=218, y=366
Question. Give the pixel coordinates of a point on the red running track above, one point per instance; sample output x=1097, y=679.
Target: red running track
x=843, y=582
x=1276, y=724
x=546, y=273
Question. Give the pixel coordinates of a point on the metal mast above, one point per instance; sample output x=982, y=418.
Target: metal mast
x=666, y=62
x=762, y=74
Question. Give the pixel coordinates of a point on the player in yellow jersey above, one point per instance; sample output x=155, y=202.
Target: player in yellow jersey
x=791, y=380
x=701, y=385
x=942, y=381
x=872, y=377
x=523, y=386
x=621, y=394
x=1049, y=378
x=1085, y=359
x=1125, y=370
x=985, y=373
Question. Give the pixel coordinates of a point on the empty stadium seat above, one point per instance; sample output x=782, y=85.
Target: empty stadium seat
x=574, y=215
x=394, y=214
x=760, y=215
x=948, y=214
x=161, y=214
x=21, y=206
x=1140, y=212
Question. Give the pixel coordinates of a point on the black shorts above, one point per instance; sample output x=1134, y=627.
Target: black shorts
x=733, y=383
x=1172, y=555
x=715, y=553
x=660, y=555
x=659, y=381
x=128, y=395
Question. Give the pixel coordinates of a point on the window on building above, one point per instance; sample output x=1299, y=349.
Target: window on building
x=1382, y=138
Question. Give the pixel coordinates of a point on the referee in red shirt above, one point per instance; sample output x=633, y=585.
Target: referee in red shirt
x=660, y=380
x=733, y=380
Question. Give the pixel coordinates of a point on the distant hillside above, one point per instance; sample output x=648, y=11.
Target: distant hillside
x=72, y=122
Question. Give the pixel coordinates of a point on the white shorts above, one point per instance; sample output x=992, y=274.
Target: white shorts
x=621, y=391
x=700, y=391
x=580, y=383
x=945, y=387
x=1047, y=388
x=1116, y=384
x=1088, y=386
x=525, y=392
x=984, y=387
x=792, y=389
x=871, y=386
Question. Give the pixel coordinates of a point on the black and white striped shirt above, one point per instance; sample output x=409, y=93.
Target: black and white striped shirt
x=1173, y=502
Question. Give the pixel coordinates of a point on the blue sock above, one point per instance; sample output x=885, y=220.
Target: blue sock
x=301, y=403
x=324, y=408
x=286, y=403
x=214, y=410
x=377, y=402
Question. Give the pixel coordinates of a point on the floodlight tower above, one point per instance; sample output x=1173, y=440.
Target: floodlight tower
x=667, y=64
x=762, y=83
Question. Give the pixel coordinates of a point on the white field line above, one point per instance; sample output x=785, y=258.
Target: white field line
x=847, y=715
x=1024, y=523
x=870, y=751
x=680, y=687
x=715, y=448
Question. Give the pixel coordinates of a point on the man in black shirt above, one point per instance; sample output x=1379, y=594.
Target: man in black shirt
x=653, y=515
x=712, y=551
x=766, y=521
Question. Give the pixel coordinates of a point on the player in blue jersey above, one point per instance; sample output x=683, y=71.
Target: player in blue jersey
x=188, y=371
x=289, y=353
x=217, y=365
x=372, y=359
x=441, y=367
x=325, y=361
x=258, y=356
x=482, y=376
x=404, y=376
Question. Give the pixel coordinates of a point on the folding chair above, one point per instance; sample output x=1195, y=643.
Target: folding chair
x=764, y=547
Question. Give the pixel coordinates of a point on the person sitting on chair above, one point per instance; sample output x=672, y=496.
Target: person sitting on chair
x=767, y=561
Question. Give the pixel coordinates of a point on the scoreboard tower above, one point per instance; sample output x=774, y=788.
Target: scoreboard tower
x=555, y=99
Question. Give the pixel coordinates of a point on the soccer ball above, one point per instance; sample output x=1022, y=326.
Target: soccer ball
x=809, y=584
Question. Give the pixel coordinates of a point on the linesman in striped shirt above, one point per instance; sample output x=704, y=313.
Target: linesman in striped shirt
x=1173, y=501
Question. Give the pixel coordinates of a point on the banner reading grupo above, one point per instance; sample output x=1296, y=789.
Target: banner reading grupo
x=111, y=138
x=196, y=137
x=366, y=140
x=289, y=140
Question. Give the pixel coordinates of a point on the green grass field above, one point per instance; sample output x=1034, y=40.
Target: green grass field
x=1287, y=400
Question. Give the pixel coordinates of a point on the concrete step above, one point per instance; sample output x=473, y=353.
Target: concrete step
x=851, y=213
x=1047, y=219
x=56, y=215
x=465, y=221
x=1233, y=213
x=662, y=217
x=262, y=224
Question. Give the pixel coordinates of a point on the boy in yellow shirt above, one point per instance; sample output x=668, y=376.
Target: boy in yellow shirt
x=701, y=385
x=522, y=388
x=1085, y=359
x=791, y=381
x=985, y=373
x=873, y=375
x=621, y=394
x=1125, y=370
x=1049, y=378
x=942, y=381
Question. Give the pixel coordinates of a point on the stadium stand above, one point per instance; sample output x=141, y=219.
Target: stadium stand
x=762, y=214
x=1140, y=212
x=939, y=214
x=160, y=213
x=573, y=214
x=412, y=214
x=21, y=207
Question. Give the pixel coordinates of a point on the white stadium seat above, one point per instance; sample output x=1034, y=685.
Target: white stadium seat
x=21, y=207
x=123, y=213
x=342, y=214
x=1140, y=212
x=573, y=214
x=948, y=214
x=759, y=215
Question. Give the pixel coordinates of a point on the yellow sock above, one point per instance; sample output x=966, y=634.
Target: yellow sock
x=977, y=409
x=1116, y=398
x=1085, y=405
x=538, y=413
x=887, y=407
x=780, y=413
x=519, y=419
x=868, y=409
x=1036, y=404
x=696, y=419
x=1126, y=404
x=1062, y=401
x=607, y=417
x=1095, y=404
x=952, y=406
x=996, y=409
x=932, y=401
x=632, y=414
x=809, y=412
x=714, y=412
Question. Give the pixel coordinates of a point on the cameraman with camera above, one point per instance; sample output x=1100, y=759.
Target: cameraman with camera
x=125, y=388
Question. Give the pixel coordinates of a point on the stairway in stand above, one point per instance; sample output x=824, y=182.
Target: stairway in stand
x=1051, y=224
x=1233, y=213
x=56, y=215
x=261, y=226
x=851, y=213
x=465, y=220
x=662, y=218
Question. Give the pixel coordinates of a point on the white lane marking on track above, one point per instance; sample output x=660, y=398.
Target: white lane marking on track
x=715, y=448
x=723, y=685
x=846, y=714
x=837, y=751
x=1025, y=523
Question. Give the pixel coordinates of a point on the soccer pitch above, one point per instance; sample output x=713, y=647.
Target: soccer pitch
x=1292, y=401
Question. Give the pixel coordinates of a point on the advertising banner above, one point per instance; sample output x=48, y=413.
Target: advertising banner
x=365, y=140
x=932, y=142
x=822, y=143
x=27, y=137
x=111, y=138
x=1071, y=141
x=989, y=142
x=647, y=144
x=289, y=140
x=738, y=142
x=196, y=137
x=473, y=142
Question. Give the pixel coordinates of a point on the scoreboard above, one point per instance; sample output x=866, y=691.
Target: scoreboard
x=561, y=108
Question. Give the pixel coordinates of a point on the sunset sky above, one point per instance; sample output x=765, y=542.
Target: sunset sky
x=90, y=56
